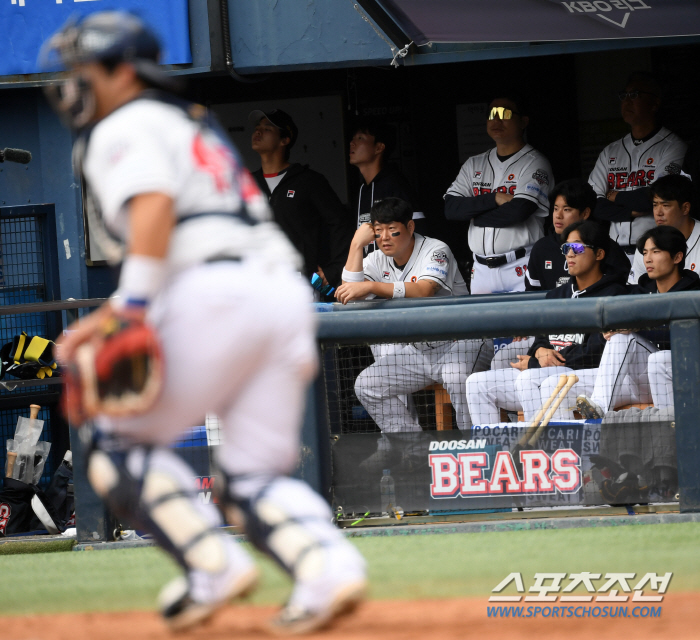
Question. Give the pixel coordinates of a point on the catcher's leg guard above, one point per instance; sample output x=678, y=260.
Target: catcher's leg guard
x=154, y=489
x=288, y=521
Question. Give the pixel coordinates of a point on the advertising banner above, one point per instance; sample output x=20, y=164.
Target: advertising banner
x=28, y=23
x=570, y=464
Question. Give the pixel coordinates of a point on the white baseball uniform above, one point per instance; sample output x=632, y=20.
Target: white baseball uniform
x=412, y=367
x=624, y=166
x=692, y=256
x=225, y=256
x=527, y=174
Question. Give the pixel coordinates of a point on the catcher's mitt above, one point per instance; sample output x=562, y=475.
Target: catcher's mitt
x=119, y=373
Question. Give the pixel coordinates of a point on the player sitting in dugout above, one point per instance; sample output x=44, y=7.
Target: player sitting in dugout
x=636, y=365
x=627, y=167
x=570, y=201
x=519, y=388
x=413, y=266
x=503, y=194
x=672, y=202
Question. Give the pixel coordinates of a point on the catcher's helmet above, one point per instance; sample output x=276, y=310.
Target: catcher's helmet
x=107, y=37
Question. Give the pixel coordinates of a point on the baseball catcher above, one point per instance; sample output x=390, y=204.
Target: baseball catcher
x=195, y=234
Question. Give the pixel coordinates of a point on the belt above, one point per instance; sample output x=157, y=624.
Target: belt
x=498, y=261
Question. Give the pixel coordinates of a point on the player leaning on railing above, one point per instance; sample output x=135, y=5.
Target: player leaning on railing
x=198, y=240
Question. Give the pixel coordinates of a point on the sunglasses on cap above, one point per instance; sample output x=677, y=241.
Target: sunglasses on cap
x=502, y=113
x=632, y=95
x=577, y=247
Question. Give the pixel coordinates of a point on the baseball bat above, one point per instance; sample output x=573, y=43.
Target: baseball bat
x=532, y=427
x=571, y=380
x=11, y=458
x=34, y=411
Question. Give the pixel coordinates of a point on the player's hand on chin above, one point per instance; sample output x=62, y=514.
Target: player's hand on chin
x=502, y=198
x=522, y=363
x=364, y=235
x=349, y=291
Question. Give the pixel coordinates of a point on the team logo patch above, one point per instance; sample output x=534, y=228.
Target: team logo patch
x=511, y=176
x=541, y=177
x=414, y=279
x=439, y=256
x=547, y=264
x=611, y=160
x=290, y=193
x=673, y=169
x=692, y=267
x=650, y=160
x=386, y=275
x=477, y=174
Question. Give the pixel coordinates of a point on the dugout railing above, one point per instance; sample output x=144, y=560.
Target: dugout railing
x=641, y=453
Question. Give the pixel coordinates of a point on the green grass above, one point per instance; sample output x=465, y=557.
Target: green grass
x=401, y=567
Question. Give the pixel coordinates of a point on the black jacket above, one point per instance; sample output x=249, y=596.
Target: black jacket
x=311, y=214
x=388, y=183
x=690, y=281
x=661, y=336
x=580, y=350
x=547, y=268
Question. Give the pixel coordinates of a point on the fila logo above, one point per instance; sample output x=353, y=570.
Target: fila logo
x=290, y=194
x=477, y=174
x=386, y=275
x=611, y=160
x=547, y=264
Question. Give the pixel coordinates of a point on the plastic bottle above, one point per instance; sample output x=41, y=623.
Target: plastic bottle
x=387, y=490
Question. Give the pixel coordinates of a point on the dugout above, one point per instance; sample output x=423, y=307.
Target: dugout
x=326, y=61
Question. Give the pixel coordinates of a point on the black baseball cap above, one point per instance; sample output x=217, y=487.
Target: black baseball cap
x=281, y=119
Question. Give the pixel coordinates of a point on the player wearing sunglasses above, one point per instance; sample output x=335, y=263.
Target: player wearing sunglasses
x=536, y=374
x=625, y=169
x=503, y=194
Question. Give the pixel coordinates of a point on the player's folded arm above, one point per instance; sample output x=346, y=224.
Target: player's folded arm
x=611, y=211
x=636, y=200
x=463, y=208
x=509, y=214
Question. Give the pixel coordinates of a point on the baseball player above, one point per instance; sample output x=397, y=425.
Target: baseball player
x=303, y=203
x=370, y=149
x=571, y=201
x=198, y=241
x=519, y=387
x=412, y=266
x=626, y=168
x=503, y=193
x=632, y=368
x=672, y=202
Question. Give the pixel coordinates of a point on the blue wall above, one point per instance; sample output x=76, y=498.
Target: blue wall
x=276, y=35
x=27, y=122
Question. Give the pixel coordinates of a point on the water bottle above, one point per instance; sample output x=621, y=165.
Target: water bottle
x=387, y=490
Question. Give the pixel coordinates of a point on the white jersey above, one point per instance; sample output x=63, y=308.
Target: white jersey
x=624, y=166
x=692, y=256
x=431, y=260
x=527, y=174
x=151, y=146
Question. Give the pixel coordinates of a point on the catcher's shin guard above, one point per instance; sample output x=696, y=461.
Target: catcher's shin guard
x=154, y=489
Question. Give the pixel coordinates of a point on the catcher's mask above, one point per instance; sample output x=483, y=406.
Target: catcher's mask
x=119, y=375
x=109, y=38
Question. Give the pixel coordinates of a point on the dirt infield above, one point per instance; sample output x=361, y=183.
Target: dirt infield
x=380, y=620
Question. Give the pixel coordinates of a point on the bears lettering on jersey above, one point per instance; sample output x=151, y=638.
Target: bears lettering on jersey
x=214, y=158
x=618, y=180
x=5, y=513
